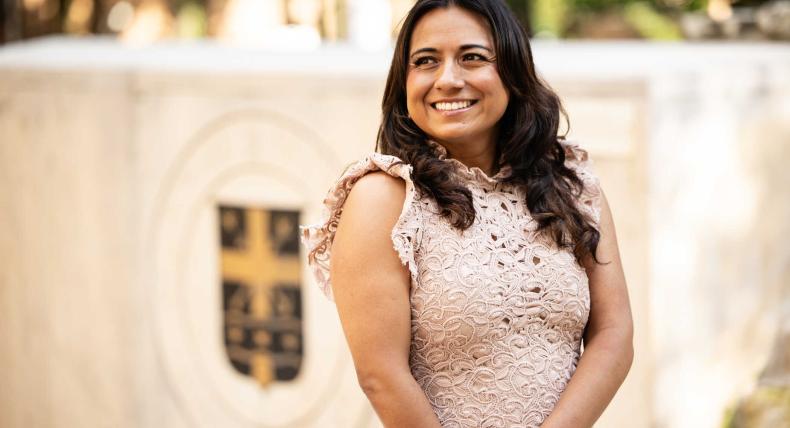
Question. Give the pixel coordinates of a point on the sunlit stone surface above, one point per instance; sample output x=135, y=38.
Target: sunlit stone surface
x=112, y=160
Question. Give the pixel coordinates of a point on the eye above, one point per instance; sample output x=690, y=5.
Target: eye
x=473, y=57
x=424, y=62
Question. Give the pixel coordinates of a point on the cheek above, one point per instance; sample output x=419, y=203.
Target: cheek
x=415, y=89
x=497, y=94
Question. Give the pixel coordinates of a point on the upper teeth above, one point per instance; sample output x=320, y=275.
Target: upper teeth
x=453, y=106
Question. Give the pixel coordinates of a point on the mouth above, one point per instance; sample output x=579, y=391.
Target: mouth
x=453, y=106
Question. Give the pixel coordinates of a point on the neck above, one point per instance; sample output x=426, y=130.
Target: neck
x=475, y=157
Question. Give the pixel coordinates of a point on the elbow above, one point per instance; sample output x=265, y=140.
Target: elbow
x=618, y=345
x=372, y=385
x=620, y=349
x=626, y=347
x=628, y=357
x=376, y=383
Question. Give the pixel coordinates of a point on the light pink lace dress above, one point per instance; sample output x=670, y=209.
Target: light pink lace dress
x=497, y=312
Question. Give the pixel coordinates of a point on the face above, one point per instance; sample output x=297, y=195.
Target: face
x=453, y=90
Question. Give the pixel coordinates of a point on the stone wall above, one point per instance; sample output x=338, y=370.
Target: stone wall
x=112, y=161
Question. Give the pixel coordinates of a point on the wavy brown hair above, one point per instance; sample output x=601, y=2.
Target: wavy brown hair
x=528, y=137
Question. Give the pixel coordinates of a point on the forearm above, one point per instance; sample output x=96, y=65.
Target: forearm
x=399, y=401
x=601, y=370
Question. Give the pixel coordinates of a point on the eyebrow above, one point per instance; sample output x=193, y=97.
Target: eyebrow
x=463, y=48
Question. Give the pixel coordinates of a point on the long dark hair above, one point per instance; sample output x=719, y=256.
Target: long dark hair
x=527, y=135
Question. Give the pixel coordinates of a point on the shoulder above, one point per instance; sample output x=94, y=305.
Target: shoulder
x=377, y=195
x=577, y=158
x=379, y=186
x=373, y=162
x=373, y=198
x=366, y=220
x=575, y=154
x=376, y=183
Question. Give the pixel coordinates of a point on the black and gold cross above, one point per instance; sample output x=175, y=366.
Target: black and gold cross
x=261, y=289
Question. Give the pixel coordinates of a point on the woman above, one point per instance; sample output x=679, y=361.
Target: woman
x=471, y=257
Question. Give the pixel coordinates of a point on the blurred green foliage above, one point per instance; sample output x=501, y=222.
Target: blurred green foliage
x=648, y=19
x=549, y=17
x=191, y=20
x=651, y=23
x=767, y=406
x=600, y=5
x=651, y=19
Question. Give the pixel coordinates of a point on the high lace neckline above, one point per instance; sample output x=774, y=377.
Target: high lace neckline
x=474, y=173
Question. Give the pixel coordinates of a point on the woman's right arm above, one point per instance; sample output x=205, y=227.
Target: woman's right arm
x=371, y=291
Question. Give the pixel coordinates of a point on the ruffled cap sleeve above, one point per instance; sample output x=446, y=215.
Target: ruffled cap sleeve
x=578, y=159
x=317, y=238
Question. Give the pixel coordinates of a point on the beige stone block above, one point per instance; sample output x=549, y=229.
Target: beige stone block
x=112, y=162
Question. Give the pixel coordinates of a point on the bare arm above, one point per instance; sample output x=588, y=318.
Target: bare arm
x=371, y=289
x=608, y=340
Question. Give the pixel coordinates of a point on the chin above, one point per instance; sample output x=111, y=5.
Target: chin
x=454, y=137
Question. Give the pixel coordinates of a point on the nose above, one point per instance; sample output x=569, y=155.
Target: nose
x=450, y=76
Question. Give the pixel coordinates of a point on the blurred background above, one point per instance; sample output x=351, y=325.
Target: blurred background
x=157, y=158
x=313, y=22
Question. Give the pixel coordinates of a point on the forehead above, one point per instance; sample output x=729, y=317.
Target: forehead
x=450, y=27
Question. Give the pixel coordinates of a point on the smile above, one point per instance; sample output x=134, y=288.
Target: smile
x=453, y=106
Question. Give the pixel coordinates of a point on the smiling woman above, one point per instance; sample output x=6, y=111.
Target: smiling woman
x=453, y=89
x=473, y=254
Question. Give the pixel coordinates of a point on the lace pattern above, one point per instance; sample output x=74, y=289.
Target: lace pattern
x=578, y=160
x=497, y=311
x=318, y=238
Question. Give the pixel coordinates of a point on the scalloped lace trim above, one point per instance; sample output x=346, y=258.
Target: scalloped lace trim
x=579, y=160
x=318, y=237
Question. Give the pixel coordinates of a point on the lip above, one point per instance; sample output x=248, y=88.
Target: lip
x=453, y=100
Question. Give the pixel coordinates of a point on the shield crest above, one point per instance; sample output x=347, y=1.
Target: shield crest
x=261, y=292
